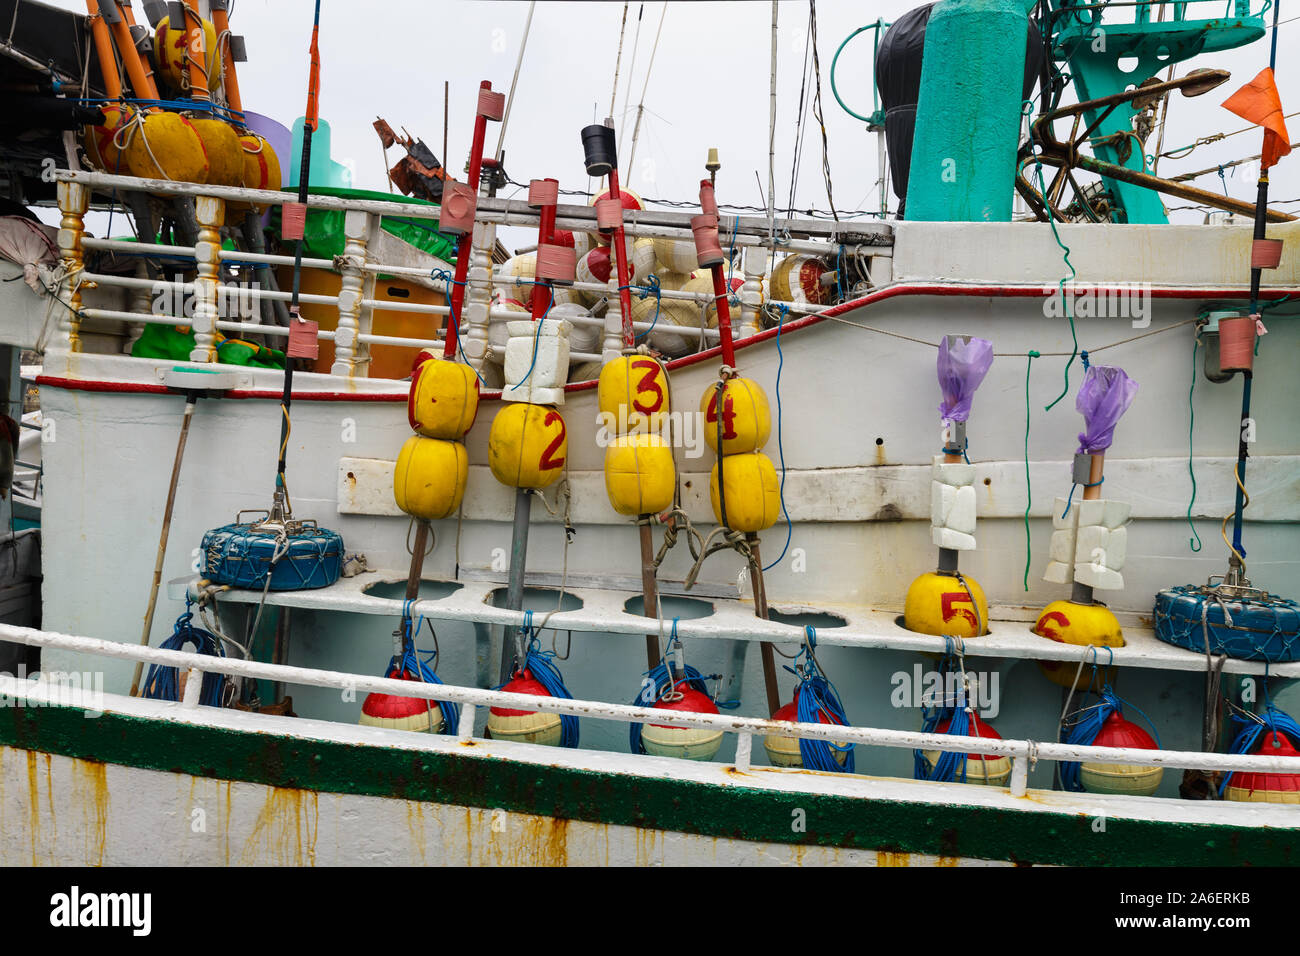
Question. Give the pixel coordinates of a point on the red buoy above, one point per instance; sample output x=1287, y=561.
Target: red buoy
x=990, y=769
x=1135, y=779
x=1267, y=787
x=689, y=743
x=401, y=713
x=783, y=751
x=533, y=727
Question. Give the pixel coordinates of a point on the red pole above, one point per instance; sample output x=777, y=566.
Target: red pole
x=545, y=233
x=709, y=206
x=620, y=258
x=467, y=239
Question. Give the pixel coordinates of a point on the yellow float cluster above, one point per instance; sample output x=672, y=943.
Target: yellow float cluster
x=749, y=480
x=640, y=477
x=433, y=466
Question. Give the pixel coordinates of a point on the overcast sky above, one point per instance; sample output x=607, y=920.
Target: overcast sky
x=708, y=87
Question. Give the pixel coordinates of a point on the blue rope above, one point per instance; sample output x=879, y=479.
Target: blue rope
x=1252, y=726
x=194, y=106
x=782, y=311
x=661, y=682
x=163, y=682
x=410, y=662
x=541, y=665
x=447, y=277
x=1083, y=731
x=650, y=288
x=537, y=335
x=950, y=765
x=815, y=698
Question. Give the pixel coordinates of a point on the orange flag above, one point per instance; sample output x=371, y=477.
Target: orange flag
x=1258, y=102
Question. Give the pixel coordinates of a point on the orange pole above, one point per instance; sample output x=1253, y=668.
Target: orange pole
x=141, y=81
x=221, y=20
x=129, y=15
x=1094, y=478
x=104, y=50
x=195, y=55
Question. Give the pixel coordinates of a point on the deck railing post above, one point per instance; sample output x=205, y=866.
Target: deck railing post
x=352, y=314
x=193, y=688
x=612, y=345
x=465, y=730
x=751, y=293
x=744, y=751
x=1019, y=775
x=211, y=214
x=478, y=295
x=74, y=200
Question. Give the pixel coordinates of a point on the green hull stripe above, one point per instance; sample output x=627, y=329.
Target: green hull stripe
x=740, y=813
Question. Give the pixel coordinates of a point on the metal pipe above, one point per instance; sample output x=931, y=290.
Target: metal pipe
x=515, y=584
x=466, y=242
x=620, y=257
x=761, y=611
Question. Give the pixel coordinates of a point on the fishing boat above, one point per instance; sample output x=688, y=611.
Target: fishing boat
x=688, y=535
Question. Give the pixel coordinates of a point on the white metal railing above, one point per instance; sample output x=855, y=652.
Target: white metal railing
x=1021, y=752
x=356, y=302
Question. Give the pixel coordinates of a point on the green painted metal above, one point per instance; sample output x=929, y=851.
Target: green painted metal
x=968, y=114
x=876, y=120
x=733, y=812
x=1097, y=47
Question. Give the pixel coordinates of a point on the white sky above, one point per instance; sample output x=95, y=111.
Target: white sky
x=709, y=87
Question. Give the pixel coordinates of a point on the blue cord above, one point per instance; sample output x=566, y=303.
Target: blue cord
x=661, y=681
x=1275, y=720
x=782, y=311
x=447, y=277
x=815, y=699
x=537, y=335
x=1070, y=500
x=410, y=662
x=194, y=106
x=541, y=665
x=950, y=765
x=1084, y=731
x=650, y=288
x=163, y=683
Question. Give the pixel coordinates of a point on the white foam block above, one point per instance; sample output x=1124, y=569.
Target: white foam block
x=1090, y=544
x=955, y=540
x=1062, y=547
x=533, y=394
x=1096, y=576
x=550, y=368
x=1058, y=509
x=526, y=328
x=1116, y=514
x=941, y=499
x=961, y=515
x=1057, y=573
x=956, y=474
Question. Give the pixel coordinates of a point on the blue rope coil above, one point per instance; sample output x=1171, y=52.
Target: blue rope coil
x=1253, y=726
x=1083, y=730
x=815, y=699
x=659, y=681
x=541, y=665
x=410, y=662
x=955, y=712
x=163, y=682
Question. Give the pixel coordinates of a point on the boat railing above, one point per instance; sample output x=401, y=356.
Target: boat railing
x=353, y=336
x=1022, y=753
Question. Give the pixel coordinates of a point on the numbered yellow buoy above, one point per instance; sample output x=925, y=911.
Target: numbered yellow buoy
x=527, y=446
x=939, y=604
x=166, y=146
x=99, y=142
x=1079, y=624
x=225, y=154
x=430, y=477
x=633, y=395
x=639, y=474
x=753, y=492
x=171, y=47
x=746, y=416
x=443, y=400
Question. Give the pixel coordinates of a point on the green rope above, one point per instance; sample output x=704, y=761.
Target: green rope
x=1060, y=286
x=1194, y=542
x=1029, y=489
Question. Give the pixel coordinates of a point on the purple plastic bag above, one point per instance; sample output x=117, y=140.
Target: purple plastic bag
x=1104, y=396
x=962, y=366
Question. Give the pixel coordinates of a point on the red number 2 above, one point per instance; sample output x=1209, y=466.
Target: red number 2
x=548, y=462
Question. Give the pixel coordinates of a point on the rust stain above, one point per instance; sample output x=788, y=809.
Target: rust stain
x=548, y=840
x=469, y=836
x=96, y=779
x=946, y=861
x=889, y=858
x=49, y=796
x=226, y=824
x=880, y=453
x=415, y=826
x=33, y=802
x=277, y=835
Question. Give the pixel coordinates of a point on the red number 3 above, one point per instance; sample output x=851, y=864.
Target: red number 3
x=549, y=462
x=648, y=383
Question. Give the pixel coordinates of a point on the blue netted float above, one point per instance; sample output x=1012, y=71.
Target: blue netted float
x=245, y=555
x=1262, y=627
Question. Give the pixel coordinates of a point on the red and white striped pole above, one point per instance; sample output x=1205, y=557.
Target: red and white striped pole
x=707, y=244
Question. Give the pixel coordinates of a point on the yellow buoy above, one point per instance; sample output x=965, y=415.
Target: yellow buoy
x=633, y=394
x=752, y=489
x=99, y=142
x=527, y=446
x=1079, y=624
x=430, y=477
x=443, y=400
x=938, y=604
x=746, y=416
x=261, y=170
x=173, y=63
x=639, y=474
x=166, y=146
x=225, y=155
